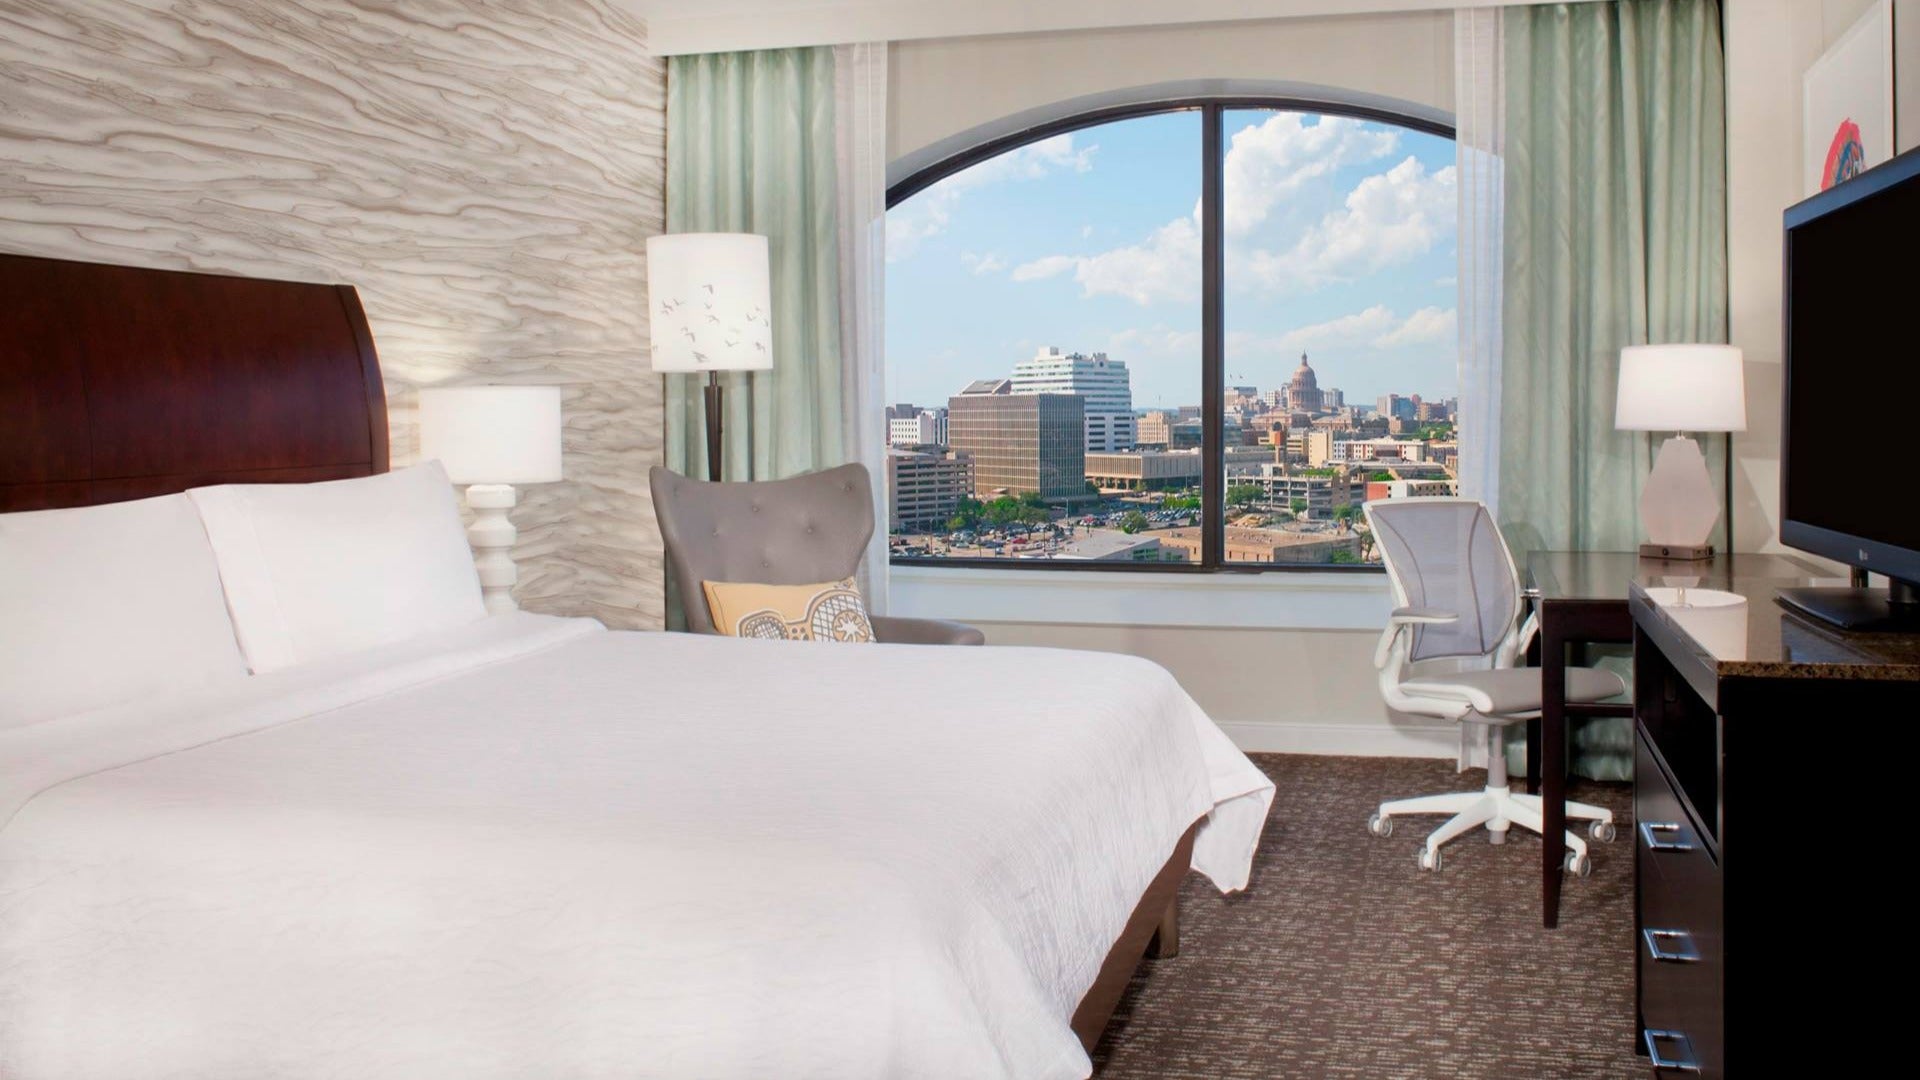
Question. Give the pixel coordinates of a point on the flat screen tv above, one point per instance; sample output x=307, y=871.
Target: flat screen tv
x=1852, y=385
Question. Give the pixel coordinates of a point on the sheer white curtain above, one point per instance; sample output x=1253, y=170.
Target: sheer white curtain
x=1479, y=90
x=1479, y=140
x=860, y=154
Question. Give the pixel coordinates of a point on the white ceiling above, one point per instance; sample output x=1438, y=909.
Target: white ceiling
x=689, y=26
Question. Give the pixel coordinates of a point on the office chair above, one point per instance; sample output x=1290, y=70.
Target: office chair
x=1457, y=597
x=799, y=531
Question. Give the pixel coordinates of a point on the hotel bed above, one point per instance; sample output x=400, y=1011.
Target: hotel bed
x=519, y=845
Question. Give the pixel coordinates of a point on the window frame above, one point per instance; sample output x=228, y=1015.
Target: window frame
x=1212, y=110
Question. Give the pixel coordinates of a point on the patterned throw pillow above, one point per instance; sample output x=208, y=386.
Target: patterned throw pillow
x=832, y=611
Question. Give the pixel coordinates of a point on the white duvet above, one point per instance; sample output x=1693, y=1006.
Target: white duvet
x=532, y=848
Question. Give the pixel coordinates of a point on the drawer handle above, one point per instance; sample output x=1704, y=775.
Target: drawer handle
x=1671, y=946
x=1653, y=831
x=1683, y=1047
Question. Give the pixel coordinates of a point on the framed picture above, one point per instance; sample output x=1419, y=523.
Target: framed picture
x=1847, y=116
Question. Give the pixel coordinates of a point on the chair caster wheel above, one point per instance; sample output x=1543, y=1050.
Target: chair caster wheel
x=1602, y=831
x=1429, y=860
x=1380, y=826
x=1579, y=865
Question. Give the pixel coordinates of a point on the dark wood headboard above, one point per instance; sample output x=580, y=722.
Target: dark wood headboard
x=119, y=383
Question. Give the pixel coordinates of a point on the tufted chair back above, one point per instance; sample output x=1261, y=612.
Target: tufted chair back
x=799, y=531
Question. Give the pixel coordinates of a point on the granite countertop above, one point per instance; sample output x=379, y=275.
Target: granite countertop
x=1763, y=640
x=1751, y=640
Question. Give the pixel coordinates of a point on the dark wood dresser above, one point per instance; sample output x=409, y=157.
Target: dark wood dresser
x=1814, y=733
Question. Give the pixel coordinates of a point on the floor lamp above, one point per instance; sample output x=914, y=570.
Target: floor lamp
x=709, y=301
x=491, y=438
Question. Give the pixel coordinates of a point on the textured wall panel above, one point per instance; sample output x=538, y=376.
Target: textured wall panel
x=486, y=173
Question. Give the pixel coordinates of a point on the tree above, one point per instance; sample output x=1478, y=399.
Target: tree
x=1345, y=513
x=1380, y=476
x=1342, y=555
x=1298, y=506
x=1132, y=522
x=1243, y=494
x=966, y=514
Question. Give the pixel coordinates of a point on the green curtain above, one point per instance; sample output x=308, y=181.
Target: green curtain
x=750, y=148
x=1615, y=234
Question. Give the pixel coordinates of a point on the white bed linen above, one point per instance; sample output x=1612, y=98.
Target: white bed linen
x=530, y=848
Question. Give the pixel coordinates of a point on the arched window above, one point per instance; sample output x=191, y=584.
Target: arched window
x=1185, y=336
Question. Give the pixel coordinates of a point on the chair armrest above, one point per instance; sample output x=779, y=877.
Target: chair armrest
x=1397, y=624
x=1515, y=654
x=894, y=630
x=1421, y=615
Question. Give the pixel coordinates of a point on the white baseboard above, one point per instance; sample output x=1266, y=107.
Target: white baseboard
x=1346, y=740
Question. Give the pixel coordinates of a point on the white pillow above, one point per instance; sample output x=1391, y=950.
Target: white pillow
x=317, y=570
x=106, y=604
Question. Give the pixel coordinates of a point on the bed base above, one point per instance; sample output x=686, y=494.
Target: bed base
x=1152, y=930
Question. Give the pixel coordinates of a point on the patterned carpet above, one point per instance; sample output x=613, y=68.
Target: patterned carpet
x=1346, y=960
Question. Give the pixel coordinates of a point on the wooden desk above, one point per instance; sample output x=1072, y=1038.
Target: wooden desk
x=1768, y=965
x=1581, y=598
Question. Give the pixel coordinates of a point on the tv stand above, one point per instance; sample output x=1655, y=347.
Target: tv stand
x=1895, y=609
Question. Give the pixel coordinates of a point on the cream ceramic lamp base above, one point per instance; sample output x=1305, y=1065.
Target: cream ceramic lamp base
x=1678, y=506
x=492, y=535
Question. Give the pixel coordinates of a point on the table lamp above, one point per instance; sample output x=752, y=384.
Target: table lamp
x=1680, y=388
x=711, y=295
x=491, y=438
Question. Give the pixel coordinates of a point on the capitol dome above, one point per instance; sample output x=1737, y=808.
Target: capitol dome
x=1303, y=390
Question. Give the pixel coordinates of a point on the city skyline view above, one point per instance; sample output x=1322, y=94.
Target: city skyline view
x=1340, y=244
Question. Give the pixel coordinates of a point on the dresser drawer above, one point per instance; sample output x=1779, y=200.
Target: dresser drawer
x=1680, y=944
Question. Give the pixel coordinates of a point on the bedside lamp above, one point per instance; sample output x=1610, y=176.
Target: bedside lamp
x=1680, y=388
x=711, y=294
x=491, y=438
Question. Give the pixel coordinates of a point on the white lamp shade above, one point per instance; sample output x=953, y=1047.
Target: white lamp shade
x=1681, y=388
x=711, y=294
x=492, y=434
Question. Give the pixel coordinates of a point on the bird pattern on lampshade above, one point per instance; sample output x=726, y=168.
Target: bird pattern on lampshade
x=710, y=294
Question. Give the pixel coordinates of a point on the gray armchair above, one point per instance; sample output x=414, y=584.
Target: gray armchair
x=798, y=531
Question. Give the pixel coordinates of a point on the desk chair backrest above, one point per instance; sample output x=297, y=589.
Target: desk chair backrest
x=1447, y=554
x=803, y=530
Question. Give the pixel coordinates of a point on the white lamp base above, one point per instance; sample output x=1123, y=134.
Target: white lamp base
x=1678, y=506
x=492, y=535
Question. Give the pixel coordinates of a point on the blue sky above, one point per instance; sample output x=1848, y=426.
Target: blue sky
x=1340, y=242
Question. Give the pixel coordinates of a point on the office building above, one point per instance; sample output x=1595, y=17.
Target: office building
x=1144, y=470
x=1313, y=446
x=1407, y=489
x=1020, y=442
x=1104, y=383
x=1362, y=450
x=1263, y=545
x=1312, y=494
x=924, y=490
x=1154, y=429
x=1395, y=407
x=921, y=427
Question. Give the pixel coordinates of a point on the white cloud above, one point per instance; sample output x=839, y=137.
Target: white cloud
x=982, y=264
x=1389, y=219
x=1156, y=343
x=1376, y=327
x=928, y=213
x=1423, y=327
x=1165, y=267
x=1276, y=160
x=1386, y=220
x=1042, y=268
x=1346, y=331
